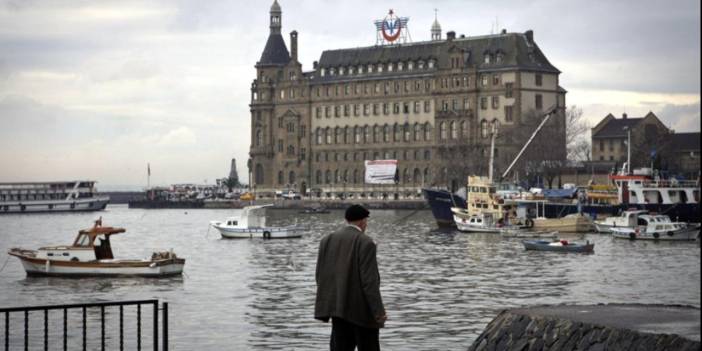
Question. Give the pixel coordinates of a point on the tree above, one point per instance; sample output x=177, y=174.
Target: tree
x=231, y=183
x=576, y=128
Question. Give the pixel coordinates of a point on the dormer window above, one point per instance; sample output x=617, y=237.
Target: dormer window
x=351, y=70
x=360, y=69
x=341, y=71
x=400, y=66
x=331, y=71
x=323, y=72
x=410, y=66
x=390, y=67
x=486, y=58
x=499, y=57
x=380, y=68
x=420, y=65
x=370, y=68
x=431, y=64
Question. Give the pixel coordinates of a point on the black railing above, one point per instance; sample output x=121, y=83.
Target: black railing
x=103, y=306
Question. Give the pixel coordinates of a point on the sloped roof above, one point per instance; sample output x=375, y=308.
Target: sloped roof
x=275, y=52
x=516, y=50
x=615, y=127
x=685, y=141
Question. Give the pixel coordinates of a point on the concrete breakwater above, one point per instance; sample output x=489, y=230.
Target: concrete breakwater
x=281, y=204
x=593, y=327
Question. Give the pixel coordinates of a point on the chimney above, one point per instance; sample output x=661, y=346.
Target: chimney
x=293, y=46
x=450, y=35
x=315, y=65
x=530, y=36
x=504, y=31
x=624, y=116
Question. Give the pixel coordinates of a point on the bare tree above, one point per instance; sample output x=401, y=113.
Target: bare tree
x=576, y=128
x=546, y=155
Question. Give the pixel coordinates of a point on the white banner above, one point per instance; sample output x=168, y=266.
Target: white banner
x=381, y=171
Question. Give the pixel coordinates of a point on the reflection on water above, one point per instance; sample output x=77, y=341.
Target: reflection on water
x=440, y=287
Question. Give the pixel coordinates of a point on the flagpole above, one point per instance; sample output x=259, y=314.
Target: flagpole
x=148, y=176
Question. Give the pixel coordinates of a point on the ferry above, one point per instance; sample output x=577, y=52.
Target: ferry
x=67, y=196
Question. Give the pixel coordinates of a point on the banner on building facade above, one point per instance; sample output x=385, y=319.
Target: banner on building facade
x=381, y=172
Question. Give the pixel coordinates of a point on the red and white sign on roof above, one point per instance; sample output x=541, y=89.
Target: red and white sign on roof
x=392, y=29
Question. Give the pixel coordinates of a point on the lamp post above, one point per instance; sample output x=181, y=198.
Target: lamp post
x=628, y=150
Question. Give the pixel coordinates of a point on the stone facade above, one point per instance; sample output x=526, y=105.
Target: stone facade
x=430, y=105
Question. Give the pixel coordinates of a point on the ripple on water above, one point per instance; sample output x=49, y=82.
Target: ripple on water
x=440, y=287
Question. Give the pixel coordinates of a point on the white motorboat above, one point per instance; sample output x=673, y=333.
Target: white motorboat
x=252, y=224
x=478, y=223
x=91, y=255
x=626, y=219
x=657, y=227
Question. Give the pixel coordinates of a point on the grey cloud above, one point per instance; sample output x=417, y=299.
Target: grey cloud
x=682, y=118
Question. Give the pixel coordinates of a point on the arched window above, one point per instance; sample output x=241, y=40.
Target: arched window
x=427, y=132
x=406, y=176
x=258, y=174
x=443, y=131
x=291, y=177
x=347, y=135
x=398, y=132
x=259, y=137
x=427, y=176
x=320, y=137
x=417, y=132
x=327, y=176
x=417, y=176
x=386, y=133
x=355, y=176
x=338, y=135
x=406, y=130
x=494, y=125
x=345, y=176
x=358, y=134
x=336, y=176
x=377, y=133
x=328, y=133
x=281, y=180
x=464, y=130
x=484, y=129
x=319, y=177
x=366, y=134
x=454, y=130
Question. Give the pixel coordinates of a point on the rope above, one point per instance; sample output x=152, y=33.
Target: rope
x=4, y=264
x=407, y=216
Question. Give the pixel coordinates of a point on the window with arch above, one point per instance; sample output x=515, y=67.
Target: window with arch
x=366, y=134
x=427, y=154
x=484, y=129
x=328, y=133
x=328, y=177
x=291, y=150
x=259, y=137
x=281, y=179
x=417, y=132
x=318, y=177
x=291, y=177
x=427, y=175
x=345, y=176
x=320, y=138
x=357, y=133
x=454, y=130
x=377, y=134
x=443, y=131
x=258, y=174
x=406, y=176
x=338, y=135
x=407, y=132
x=398, y=132
x=464, y=129
x=336, y=176
x=427, y=131
x=386, y=133
x=417, y=176
x=355, y=176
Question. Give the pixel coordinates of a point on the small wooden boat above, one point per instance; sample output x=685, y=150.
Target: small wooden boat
x=252, y=224
x=558, y=246
x=91, y=255
x=479, y=223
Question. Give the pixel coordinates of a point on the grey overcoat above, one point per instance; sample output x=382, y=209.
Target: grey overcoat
x=348, y=282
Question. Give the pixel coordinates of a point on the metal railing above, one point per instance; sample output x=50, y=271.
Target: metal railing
x=102, y=306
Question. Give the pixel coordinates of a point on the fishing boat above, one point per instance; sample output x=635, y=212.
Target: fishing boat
x=480, y=222
x=572, y=223
x=558, y=246
x=626, y=219
x=251, y=223
x=657, y=227
x=34, y=197
x=90, y=254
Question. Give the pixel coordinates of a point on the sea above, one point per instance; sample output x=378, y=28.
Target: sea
x=440, y=287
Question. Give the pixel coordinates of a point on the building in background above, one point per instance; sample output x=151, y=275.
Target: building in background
x=431, y=105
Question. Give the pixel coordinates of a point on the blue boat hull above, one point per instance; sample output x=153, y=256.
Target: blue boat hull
x=542, y=245
x=440, y=202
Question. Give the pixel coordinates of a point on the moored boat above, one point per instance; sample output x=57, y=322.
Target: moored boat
x=91, y=255
x=657, y=227
x=251, y=223
x=625, y=219
x=440, y=202
x=558, y=246
x=479, y=223
x=572, y=223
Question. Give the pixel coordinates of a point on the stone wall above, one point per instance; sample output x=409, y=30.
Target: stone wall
x=522, y=330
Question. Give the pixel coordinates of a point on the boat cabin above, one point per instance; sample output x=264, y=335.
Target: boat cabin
x=90, y=244
x=482, y=198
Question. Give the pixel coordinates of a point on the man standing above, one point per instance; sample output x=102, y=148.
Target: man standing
x=348, y=285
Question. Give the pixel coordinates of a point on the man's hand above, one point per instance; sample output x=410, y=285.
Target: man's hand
x=381, y=319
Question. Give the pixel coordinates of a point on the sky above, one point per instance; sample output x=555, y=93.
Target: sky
x=99, y=89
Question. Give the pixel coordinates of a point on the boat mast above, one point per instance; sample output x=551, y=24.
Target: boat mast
x=547, y=115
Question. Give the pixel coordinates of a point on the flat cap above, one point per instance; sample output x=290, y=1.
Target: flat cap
x=355, y=213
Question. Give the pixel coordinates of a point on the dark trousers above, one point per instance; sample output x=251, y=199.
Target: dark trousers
x=347, y=336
